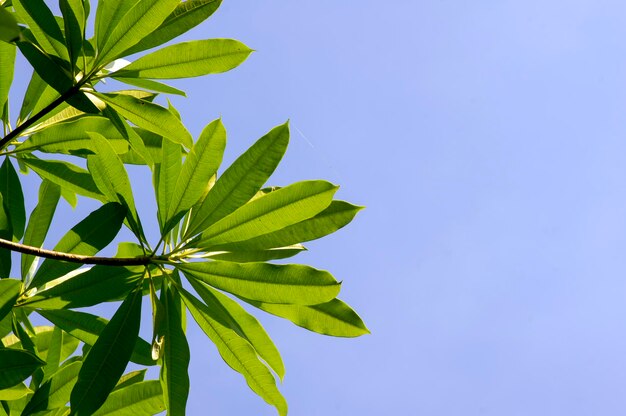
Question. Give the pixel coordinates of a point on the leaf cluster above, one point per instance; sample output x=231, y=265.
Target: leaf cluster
x=219, y=232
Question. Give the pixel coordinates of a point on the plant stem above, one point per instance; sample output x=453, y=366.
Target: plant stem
x=75, y=258
x=29, y=122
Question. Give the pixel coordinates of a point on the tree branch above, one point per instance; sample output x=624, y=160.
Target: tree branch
x=74, y=258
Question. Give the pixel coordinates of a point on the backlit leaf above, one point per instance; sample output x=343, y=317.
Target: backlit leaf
x=140, y=399
x=9, y=291
x=13, y=198
x=55, y=392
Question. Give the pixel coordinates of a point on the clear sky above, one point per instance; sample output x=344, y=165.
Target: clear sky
x=488, y=141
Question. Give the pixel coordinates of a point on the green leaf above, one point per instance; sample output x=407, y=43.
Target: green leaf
x=87, y=327
x=53, y=358
x=43, y=25
x=272, y=283
x=149, y=116
x=108, y=357
x=16, y=365
x=87, y=238
x=187, y=15
x=108, y=15
x=188, y=59
x=174, y=376
x=43, y=342
x=40, y=220
x=110, y=176
x=64, y=174
x=151, y=85
x=200, y=165
x=139, y=399
x=51, y=71
x=337, y=215
x=130, y=378
x=15, y=393
x=6, y=233
x=269, y=213
x=9, y=30
x=13, y=198
x=248, y=256
x=74, y=22
x=237, y=353
x=138, y=22
x=241, y=180
x=34, y=93
x=96, y=285
x=246, y=325
x=71, y=137
x=55, y=392
x=9, y=291
x=7, y=57
x=333, y=318
x=165, y=176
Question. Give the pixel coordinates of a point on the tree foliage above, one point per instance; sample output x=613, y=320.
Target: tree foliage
x=218, y=231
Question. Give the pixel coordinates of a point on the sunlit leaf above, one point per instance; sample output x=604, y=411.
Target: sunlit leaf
x=138, y=22
x=188, y=59
x=40, y=220
x=9, y=291
x=15, y=393
x=151, y=85
x=130, y=378
x=237, y=353
x=74, y=23
x=248, y=256
x=87, y=237
x=7, y=57
x=108, y=15
x=246, y=325
x=200, y=165
x=272, y=283
x=55, y=392
x=271, y=212
x=149, y=116
x=9, y=30
x=187, y=15
x=87, y=327
x=64, y=174
x=96, y=285
x=43, y=340
x=140, y=399
x=107, y=358
x=6, y=233
x=166, y=174
x=241, y=180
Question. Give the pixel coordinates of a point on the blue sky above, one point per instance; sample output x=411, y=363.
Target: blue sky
x=488, y=142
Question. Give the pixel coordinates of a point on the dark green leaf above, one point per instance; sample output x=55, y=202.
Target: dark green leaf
x=241, y=180
x=138, y=22
x=13, y=198
x=237, y=353
x=108, y=357
x=188, y=59
x=40, y=220
x=74, y=22
x=200, y=165
x=87, y=327
x=271, y=212
x=87, y=238
x=149, y=116
x=43, y=25
x=9, y=291
x=55, y=392
x=140, y=399
x=16, y=365
x=96, y=285
x=34, y=93
x=187, y=15
x=6, y=233
x=175, y=356
x=272, y=283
